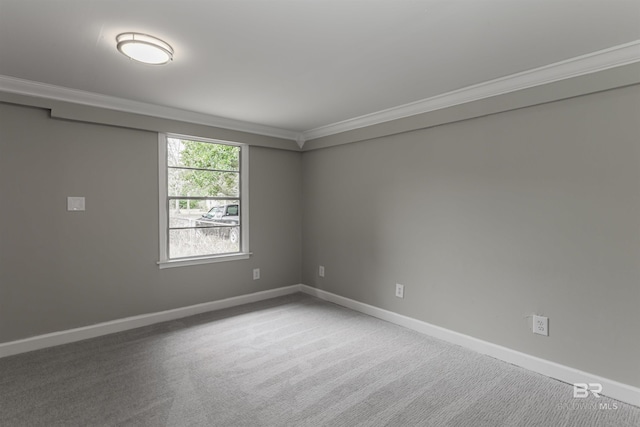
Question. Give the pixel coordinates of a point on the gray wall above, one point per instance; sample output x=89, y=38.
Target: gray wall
x=60, y=270
x=488, y=220
x=485, y=221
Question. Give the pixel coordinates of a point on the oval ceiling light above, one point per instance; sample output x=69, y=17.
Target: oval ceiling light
x=144, y=48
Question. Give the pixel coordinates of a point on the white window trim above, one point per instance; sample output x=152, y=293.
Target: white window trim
x=165, y=262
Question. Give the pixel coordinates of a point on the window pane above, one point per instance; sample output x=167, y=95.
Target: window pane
x=185, y=182
x=202, y=155
x=203, y=213
x=203, y=199
x=200, y=242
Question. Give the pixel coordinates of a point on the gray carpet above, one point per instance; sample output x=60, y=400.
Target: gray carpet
x=289, y=361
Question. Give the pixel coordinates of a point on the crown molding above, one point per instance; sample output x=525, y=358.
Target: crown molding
x=59, y=93
x=613, y=57
x=300, y=139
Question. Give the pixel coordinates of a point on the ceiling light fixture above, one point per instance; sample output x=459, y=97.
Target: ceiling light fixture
x=144, y=48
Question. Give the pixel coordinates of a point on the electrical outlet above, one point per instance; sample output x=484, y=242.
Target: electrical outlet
x=256, y=273
x=540, y=325
x=321, y=271
x=399, y=290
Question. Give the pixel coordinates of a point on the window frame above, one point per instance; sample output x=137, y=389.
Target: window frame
x=163, y=206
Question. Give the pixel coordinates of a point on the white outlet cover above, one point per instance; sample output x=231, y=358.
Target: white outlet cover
x=399, y=290
x=75, y=203
x=321, y=271
x=540, y=325
x=256, y=273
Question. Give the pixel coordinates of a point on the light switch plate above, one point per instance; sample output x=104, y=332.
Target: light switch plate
x=75, y=203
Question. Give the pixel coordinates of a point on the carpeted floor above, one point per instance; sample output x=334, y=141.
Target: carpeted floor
x=289, y=361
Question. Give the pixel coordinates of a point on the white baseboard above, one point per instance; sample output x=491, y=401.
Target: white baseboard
x=92, y=331
x=614, y=389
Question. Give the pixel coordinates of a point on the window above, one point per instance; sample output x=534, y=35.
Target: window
x=203, y=200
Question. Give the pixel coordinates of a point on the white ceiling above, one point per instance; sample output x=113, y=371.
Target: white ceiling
x=298, y=65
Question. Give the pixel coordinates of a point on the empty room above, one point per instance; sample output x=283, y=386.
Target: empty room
x=320, y=213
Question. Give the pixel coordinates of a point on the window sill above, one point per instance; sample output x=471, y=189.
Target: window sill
x=202, y=260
